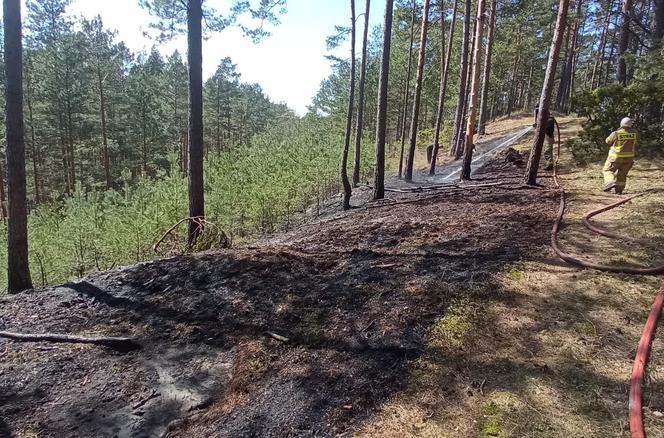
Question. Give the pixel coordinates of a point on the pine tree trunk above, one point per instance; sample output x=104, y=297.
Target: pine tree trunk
x=29, y=90
x=17, y=232
x=407, y=90
x=104, y=133
x=70, y=146
x=474, y=93
x=609, y=62
x=624, y=41
x=461, y=141
x=594, y=82
x=529, y=89
x=463, y=74
x=381, y=116
x=418, y=92
x=3, y=196
x=547, y=91
x=515, y=71
x=658, y=28
x=348, y=190
x=360, y=103
x=566, y=71
x=486, y=75
x=575, y=50
x=195, y=58
x=445, y=70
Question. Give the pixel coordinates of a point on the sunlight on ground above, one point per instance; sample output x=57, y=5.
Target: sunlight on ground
x=554, y=356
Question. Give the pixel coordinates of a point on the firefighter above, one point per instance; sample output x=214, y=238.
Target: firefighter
x=549, y=137
x=621, y=156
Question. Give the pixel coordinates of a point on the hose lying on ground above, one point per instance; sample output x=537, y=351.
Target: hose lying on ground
x=639, y=369
x=572, y=260
x=640, y=362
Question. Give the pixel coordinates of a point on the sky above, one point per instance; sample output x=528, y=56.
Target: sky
x=289, y=65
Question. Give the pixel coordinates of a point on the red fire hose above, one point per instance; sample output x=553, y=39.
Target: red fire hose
x=640, y=362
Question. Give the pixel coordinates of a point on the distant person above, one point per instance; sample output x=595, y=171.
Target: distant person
x=536, y=113
x=621, y=156
x=549, y=136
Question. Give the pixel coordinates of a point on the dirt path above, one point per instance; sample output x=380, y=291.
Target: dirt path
x=425, y=315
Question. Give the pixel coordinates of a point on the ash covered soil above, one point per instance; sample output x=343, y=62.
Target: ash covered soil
x=355, y=294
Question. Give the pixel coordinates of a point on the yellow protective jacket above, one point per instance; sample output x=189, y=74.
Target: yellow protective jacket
x=623, y=144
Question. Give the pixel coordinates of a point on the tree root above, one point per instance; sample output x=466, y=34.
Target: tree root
x=122, y=344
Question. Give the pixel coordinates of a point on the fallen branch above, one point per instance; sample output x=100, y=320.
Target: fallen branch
x=124, y=344
x=200, y=223
x=277, y=337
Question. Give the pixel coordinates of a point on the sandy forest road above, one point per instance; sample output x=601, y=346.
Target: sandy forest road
x=442, y=316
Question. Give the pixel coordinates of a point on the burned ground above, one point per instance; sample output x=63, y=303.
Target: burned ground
x=355, y=294
x=441, y=313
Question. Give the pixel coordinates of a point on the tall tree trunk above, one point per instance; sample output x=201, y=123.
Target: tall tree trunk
x=658, y=28
x=445, y=70
x=348, y=190
x=474, y=93
x=70, y=145
x=624, y=41
x=18, y=268
x=609, y=61
x=104, y=132
x=461, y=141
x=486, y=76
x=463, y=74
x=515, y=70
x=418, y=92
x=195, y=58
x=360, y=103
x=529, y=89
x=381, y=116
x=602, y=46
x=3, y=196
x=578, y=29
x=547, y=91
x=565, y=72
x=29, y=88
x=406, y=94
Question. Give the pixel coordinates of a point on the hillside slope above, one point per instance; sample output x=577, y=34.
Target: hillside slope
x=439, y=314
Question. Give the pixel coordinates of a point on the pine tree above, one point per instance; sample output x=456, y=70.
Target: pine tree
x=17, y=236
x=381, y=117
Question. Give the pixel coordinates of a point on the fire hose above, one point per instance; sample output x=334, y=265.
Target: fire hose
x=641, y=360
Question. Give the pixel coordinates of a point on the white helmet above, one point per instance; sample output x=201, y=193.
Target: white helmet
x=626, y=123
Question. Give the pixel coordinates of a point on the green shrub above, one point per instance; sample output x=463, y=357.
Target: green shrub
x=603, y=109
x=249, y=190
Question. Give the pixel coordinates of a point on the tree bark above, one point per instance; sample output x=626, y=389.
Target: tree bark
x=104, y=132
x=565, y=72
x=575, y=46
x=348, y=190
x=381, y=116
x=418, y=92
x=474, y=93
x=529, y=92
x=3, y=196
x=515, y=70
x=486, y=76
x=29, y=87
x=463, y=74
x=18, y=268
x=195, y=58
x=658, y=27
x=547, y=91
x=602, y=46
x=624, y=41
x=360, y=103
x=407, y=90
x=445, y=70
